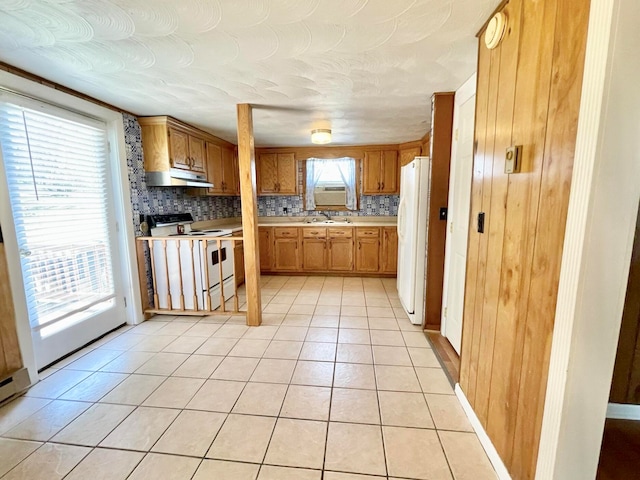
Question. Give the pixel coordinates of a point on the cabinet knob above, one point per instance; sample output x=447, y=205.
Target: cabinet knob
x=382, y=188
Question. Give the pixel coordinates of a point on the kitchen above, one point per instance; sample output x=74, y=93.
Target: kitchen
x=300, y=289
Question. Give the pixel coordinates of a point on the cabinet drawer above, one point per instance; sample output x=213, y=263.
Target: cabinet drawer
x=314, y=232
x=341, y=233
x=367, y=232
x=285, y=232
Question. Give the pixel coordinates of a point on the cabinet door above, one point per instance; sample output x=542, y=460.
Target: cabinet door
x=214, y=167
x=389, y=183
x=389, y=252
x=196, y=154
x=238, y=262
x=229, y=172
x=265, y=240
x=314, y=254
x=408, y=154
x=341, y=254
x=179, y=149
x=371, y=173
x=286, y=254
x=287, y=181
x=367, y=255
x=267, y=173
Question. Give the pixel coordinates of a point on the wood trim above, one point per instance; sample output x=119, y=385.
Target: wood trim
x=442, y=129
x=449, y=358
x=10, y=356
x=56, y=86
x=248, y=197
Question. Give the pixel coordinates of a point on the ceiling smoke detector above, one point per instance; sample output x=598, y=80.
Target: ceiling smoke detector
x=321, y=136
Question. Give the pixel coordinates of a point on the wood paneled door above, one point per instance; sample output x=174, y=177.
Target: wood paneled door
x=528, y=94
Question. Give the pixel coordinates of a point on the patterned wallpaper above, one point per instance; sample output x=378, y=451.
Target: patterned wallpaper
x=145, y=200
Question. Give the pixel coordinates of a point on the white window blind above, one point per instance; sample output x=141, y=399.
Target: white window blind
x=57, y=177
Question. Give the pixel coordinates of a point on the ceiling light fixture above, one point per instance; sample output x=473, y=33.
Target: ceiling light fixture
x=321, y=136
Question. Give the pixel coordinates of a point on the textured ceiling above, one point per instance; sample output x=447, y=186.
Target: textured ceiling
x=366, y=68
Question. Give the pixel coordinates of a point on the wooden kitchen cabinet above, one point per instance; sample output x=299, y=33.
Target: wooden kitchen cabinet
x=314, y=249
x=286, y=251
x=265, y=241
x=277, y=174
x=222, y=170
x=380, y=173
x=408, y=154
x=196, y=154
x=368, y=249
x=168, y=143
x=186, y=151
x=389, y=250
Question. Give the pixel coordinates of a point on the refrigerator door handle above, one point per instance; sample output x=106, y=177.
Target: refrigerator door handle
x=401, y=219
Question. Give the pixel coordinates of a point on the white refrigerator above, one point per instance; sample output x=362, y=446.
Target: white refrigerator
x=413, y=222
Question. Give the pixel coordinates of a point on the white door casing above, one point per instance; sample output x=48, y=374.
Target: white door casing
x=455, y=258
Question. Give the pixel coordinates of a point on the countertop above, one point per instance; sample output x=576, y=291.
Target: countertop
x=235, y=224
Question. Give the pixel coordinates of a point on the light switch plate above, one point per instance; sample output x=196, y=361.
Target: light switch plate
x=513, y=159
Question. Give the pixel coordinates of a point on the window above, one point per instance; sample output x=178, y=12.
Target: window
x=331, y=183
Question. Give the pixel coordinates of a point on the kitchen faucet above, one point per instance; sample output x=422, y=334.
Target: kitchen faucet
x=325, y=215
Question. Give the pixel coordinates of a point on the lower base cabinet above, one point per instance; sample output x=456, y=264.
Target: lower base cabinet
x=314, y=254
x=285, y=254
x=332, y=250
x=367, y=254
x=341, y=255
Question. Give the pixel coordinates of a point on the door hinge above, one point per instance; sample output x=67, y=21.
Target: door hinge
x=109, y=147
x=125, y=302
x=117, y=227
x=445, y=312
x=451, y=227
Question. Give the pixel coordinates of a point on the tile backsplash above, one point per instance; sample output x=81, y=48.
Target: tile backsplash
x=282, y=206
x=146, y=200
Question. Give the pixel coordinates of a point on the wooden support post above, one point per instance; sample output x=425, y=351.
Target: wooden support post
x=247, y=167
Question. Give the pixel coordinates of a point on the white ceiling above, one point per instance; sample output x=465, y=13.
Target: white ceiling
x=367, y=68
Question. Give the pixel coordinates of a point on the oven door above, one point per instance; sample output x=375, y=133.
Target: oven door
x=217, y=257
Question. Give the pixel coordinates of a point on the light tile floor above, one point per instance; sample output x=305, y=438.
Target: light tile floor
x=336, y=384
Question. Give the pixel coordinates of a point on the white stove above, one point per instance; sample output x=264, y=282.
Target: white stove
x=191, y=263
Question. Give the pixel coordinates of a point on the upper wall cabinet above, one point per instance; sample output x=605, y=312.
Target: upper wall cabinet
x=222, y=170
x=407, y=154
x=380, y=173
x=170, y=144
x=277, y=174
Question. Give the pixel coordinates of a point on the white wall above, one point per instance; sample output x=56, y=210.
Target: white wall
x=597, y=250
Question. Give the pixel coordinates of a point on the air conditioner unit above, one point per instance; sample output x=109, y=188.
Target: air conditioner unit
x=329, y=194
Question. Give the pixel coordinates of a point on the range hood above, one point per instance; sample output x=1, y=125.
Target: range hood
x=175, y=177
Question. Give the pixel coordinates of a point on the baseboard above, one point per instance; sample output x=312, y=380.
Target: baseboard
x=623, y=411
x=485, y=441
x=17, y=382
